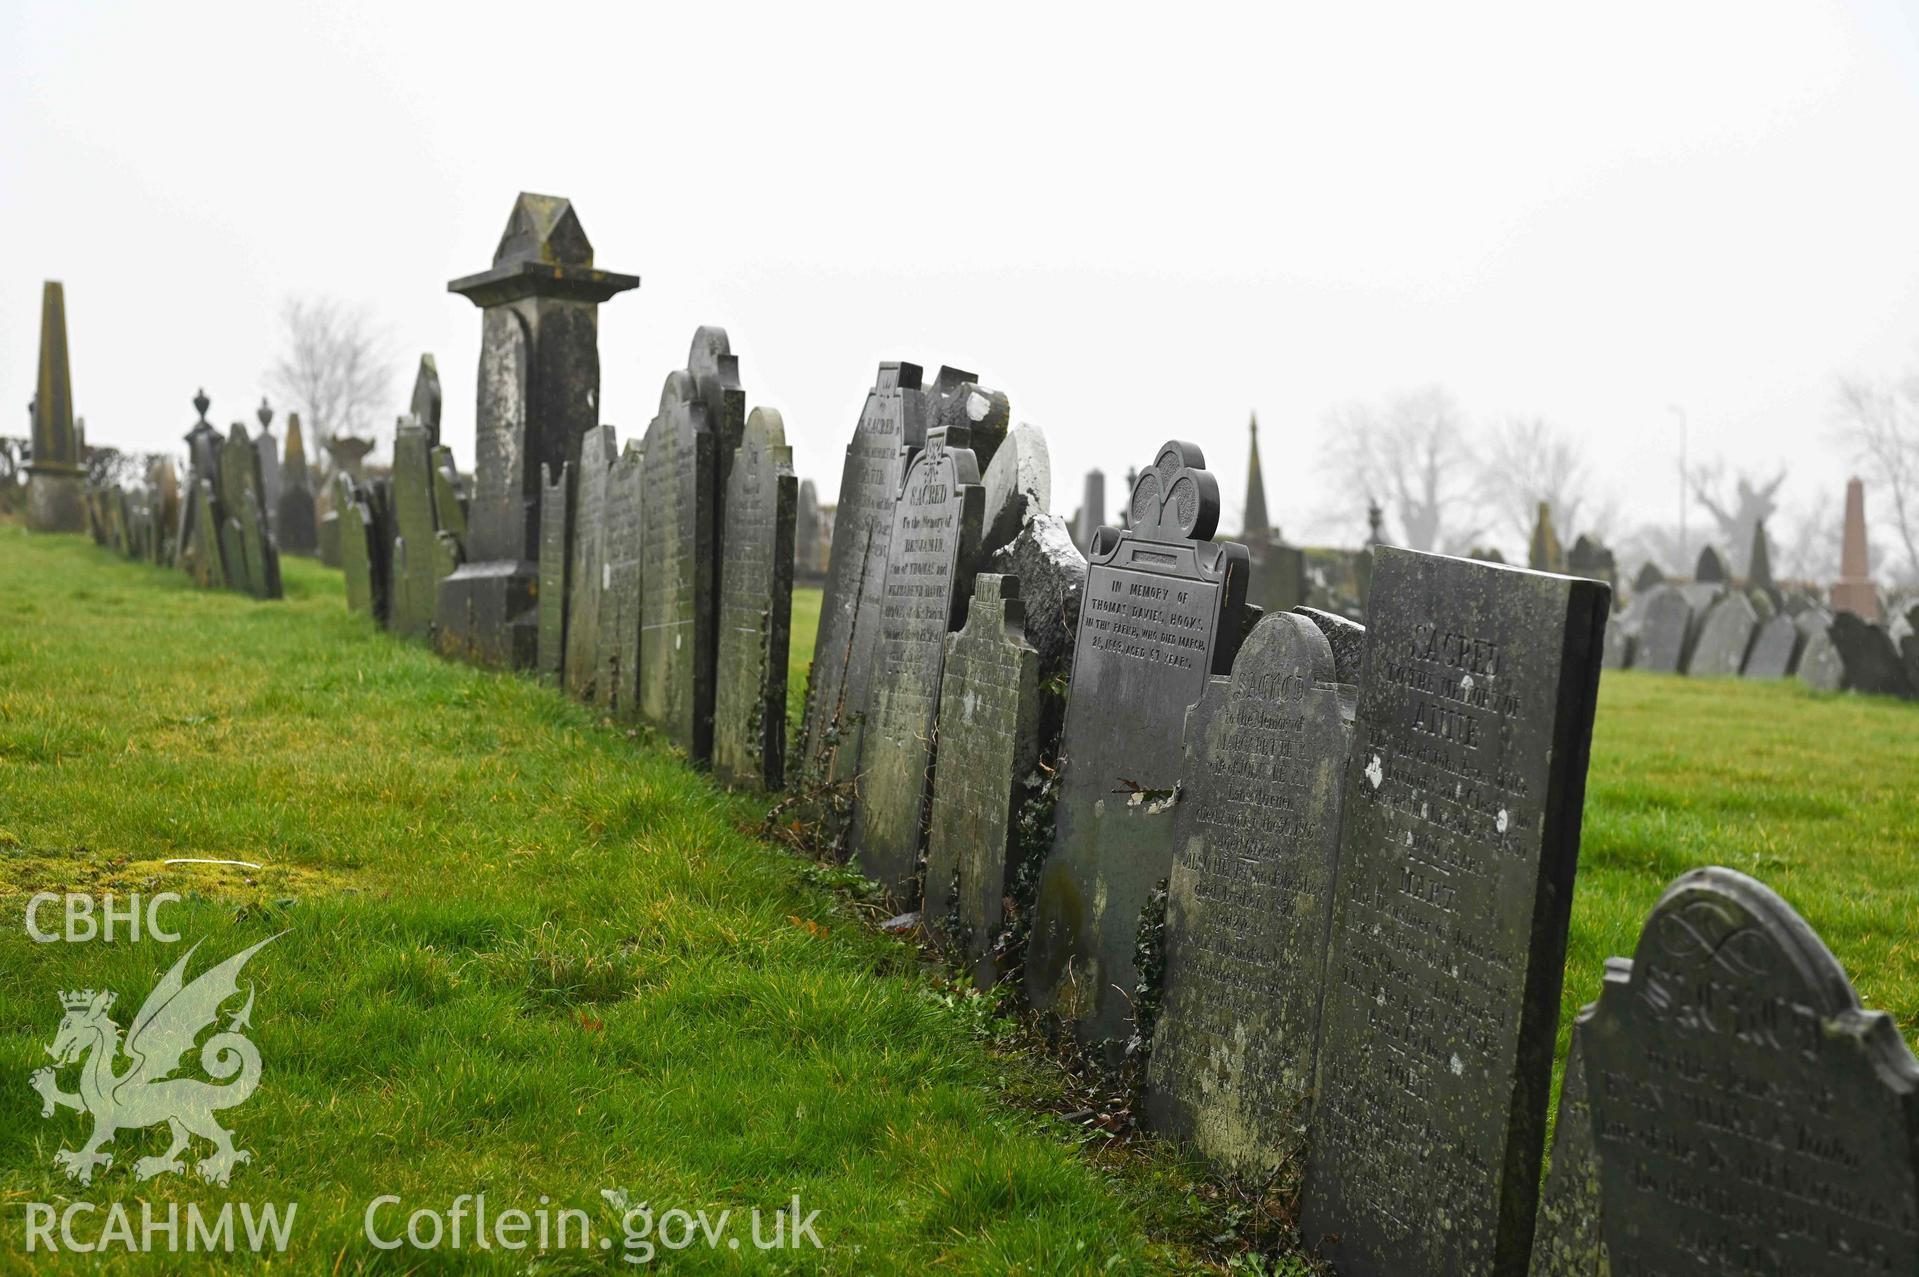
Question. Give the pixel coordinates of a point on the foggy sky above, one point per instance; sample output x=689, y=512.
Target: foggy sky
x=1139, y=224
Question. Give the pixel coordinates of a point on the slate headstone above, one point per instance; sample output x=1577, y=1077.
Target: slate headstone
x=756, y=606
x=1749, y=1116
x=357, y=547
x=425, y=405
x=581, y=663
x=206, y=559
x=1775, y=649
x=678, y=570
x=809, y=562
x=555, y=525
x=986, y=769
x=1819, y=665
x=1249, y=901
x=298, y=522
x=416, y=584
x=892, y=427
x=1459, y=844
x=1725, y=636
x=1872, y=664
x=929, y=571
x=1347, y=638
x=1164, y=610
x=1666, y=630
x=618, y=639
x=1566, y=1239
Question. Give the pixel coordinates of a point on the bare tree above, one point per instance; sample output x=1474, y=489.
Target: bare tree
x=1880, y=422
x=1529, y=460
x=1412, y=458
x=1807, y=547
x=335, y=368
x=1737, y=510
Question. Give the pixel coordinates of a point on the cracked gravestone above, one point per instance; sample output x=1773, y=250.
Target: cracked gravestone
x=1456, y=861
x=1250, y=899
x=756, y=606
x=678, y=569
x=1749, y=1116
x=1164, y=609
x=934, y=550
x=989, y=702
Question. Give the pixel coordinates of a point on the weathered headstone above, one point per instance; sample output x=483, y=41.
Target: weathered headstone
x=1092, y=510
x=1666, y=630
x=1725, y=636
x=206, y=561
x=930, y=569
x=809, y=560
x=1872, y=664
x=1749, y=1116
x=448, y=508
x=1164, y=610
x=1347, y=638
x=298, y=525
x=1566, y=1238
x=1250, y=899
x=425, y=405
x=1775, y=649
x=327, y=533
x=1590, y=557
x=56, y=478
x=756, y=606
x=582, y=666
x=269, y=449
x=619, y=642
x=1711, y=567
x=892, y=427
x=1819, y=665
x=678, y=570
x=1052, y=584
x=989, y=703
x=1018, y=485
x=1621, y=642
x=416, y=584
x=1460, y=841
x=554, y=524
x=538, y=394
x=357, y=544
x=244, y=533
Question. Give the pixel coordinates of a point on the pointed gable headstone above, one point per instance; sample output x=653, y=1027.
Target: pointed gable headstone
x=1711, y=568
x=1250, y=899
x=539, y=388
x=934, y=551
x=1459, y=843
x=678, y=565
x=756, y=607
x=892, y=427
x=1164, y=610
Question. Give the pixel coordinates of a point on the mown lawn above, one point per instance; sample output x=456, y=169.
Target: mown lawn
x=524, y=955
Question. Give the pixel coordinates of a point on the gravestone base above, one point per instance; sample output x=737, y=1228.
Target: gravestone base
x=55, y=501
x=488, y=614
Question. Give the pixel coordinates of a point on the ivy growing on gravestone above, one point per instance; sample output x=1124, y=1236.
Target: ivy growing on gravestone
x=1149, y=959
x=1034, y=837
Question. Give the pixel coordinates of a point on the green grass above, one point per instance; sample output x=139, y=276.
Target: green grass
x=524, y=955
x=529, y=955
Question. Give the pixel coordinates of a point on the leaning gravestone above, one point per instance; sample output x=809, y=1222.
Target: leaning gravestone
x=1725, y=636
x=1566, y=1237
x=1018, y=484
x=1775, y=649
x=622, y=605
x=1249, y=901
x=598, y=451
x=1456, y=862
x=756, y=607
x=554, y=527
x=1871, y=663
x=206, y=557
x=1749, y=1116
x=892, y=427
x=416, y=583
x=1164, y=610
x=1665, y=631
x=986, y=769
x=929, y=570
x=1052, y=584
x=678, y=570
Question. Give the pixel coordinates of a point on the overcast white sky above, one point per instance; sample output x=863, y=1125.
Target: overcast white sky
x=1140, y=224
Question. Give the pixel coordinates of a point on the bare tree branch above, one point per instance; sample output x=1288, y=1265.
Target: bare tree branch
x=335, y=367
x=1880, y=422
x=1410, y=456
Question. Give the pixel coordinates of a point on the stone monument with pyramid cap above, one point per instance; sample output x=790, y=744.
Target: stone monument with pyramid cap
x=55, y=475
x=1854, y=590
x=539, y=389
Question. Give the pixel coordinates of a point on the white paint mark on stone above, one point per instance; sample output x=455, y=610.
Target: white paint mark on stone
x=606, y=576
x=1375, y=772
x=977, y=406
x=1465, y=684
x=1458, y=1066
x=1502, y=820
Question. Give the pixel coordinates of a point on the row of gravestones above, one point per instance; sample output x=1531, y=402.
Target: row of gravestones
x=138, y=524
x=1709, y=629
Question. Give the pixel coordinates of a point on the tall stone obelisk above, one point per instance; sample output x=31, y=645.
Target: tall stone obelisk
x=55, y=475
x=1854, y=592
x=539, y=393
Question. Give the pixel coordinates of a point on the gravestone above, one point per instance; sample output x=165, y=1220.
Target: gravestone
x=618, y=638
x=1346, y=638
x=448, y=508
x=539, y=385
x=986, y=769
x=269, y=450
x=298, y=525
x=1665, y=631
x=715, y=371
x=425, y=405
x=582, y=663
x=1092, y=510
x=1775, y=649
x=1544, y=554
x=1566, y=1237
x=1279, y=582
x=756, y=607
x=416, y=582
x=808, y=531
x=554, y=526
x=357, y=545
x=1590, y=557
x=1620, y=642
x=935, y=549
x=1749, y=1116
x=56, y=474
x=1165, y=609
x=244, y=532
x=1710, y=567
x=1649, y=578
x=1725, y=636
x=1819, y=665
x=1871, y=663
x=206, y=562
x=679, y=569
x=957, y=401
x=1018, y=485
x=1249, y=901
x=1052, y=583
x=892, y=427
x=1456, y=861
x=328, y=534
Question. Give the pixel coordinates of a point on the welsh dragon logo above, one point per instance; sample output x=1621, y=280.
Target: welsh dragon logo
x=145, y=1094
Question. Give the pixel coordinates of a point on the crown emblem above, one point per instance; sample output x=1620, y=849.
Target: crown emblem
x=82, y=999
